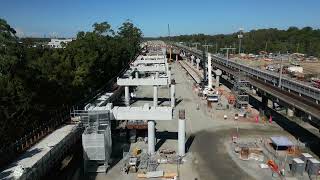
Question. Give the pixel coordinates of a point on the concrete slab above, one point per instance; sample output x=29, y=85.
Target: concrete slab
x=33, y=155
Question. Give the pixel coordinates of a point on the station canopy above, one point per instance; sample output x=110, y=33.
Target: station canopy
x=281, y=141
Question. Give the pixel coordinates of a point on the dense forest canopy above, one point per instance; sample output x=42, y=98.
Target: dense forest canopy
x=37, y=80
x=305, y=40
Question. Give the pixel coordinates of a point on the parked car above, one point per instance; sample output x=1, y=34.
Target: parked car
x=213, y=97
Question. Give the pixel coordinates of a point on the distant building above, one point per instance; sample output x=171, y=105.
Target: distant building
x=56, y=43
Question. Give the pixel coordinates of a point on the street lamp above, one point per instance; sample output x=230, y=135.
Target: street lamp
x=240, y=36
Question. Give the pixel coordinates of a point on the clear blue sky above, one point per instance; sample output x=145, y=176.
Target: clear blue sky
x=65, y=18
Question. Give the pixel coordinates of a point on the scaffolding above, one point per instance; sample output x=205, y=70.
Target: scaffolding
x=240, y=89
x=96, y=138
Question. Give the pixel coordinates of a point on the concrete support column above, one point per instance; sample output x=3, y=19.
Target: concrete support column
x=167, y=66
x=136, y=74
x=155, y=96
x=181, y=133
x=169, y=77
x=151, y=137
x=218, y=73
x=126, y=96
x=197, y=63
x=172, y=93
x=192, y=59
x=176, y=57
x=217, y=81
x=157, y=74
x=264, y=101
x=290, y=112
x=254, y=91
x=209, y=71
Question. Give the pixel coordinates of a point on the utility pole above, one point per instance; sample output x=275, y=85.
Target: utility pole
x=170, y=58
x=169, y=32
x=265, y=48
x=207, y=46
x=216, y=47
x=196, y=43
x=280, y=75
x=240, y=36
x=230, y=48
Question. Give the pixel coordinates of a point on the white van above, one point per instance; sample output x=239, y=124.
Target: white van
x=213, y=97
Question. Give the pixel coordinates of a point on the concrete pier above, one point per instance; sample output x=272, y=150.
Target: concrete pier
x=264, y=101
x=290, y=112
x=181, y=134
x=218, y=73
x=172, y=95
x=155, y=96
x=126, y=96
x=151, y=137
x=198, y=62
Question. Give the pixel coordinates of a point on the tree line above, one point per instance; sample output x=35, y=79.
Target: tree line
x=35, y=81
x=305, y=40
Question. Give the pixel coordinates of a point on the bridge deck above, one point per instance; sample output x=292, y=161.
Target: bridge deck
x=196, y=76
x=295, y=100
x=290, y=84
x=292, y=99
x=38, y=159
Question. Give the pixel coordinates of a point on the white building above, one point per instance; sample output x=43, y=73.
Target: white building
x=56, y=43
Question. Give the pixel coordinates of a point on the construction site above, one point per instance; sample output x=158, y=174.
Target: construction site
x=172, y=116
x=295, y=65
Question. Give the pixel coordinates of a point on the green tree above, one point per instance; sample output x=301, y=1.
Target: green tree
x=36, y=81
x=305, y=40
x=102, y=28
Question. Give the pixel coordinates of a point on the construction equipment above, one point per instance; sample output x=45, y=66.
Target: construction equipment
x=161, y=174
x=231, y=99
x=131, y=167
x=136, y=151
x=274, y=167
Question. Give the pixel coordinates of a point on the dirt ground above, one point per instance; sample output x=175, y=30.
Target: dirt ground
x=311, y=67
x=308, y=67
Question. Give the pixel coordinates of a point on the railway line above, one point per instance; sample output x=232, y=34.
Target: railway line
x=291, y=93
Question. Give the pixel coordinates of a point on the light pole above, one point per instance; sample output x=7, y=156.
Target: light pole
x=230, y=48
x=280, y=75
x=240, y=36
